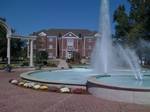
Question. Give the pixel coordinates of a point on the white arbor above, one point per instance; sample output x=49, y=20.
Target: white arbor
x=9, y=35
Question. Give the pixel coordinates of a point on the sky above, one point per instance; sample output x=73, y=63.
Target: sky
x=27, y=16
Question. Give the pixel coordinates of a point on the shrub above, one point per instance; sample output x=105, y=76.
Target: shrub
x=51, y=64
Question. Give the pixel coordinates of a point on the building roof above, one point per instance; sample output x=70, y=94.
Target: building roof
x=61, y=32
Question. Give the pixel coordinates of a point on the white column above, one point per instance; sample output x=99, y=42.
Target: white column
x=28, y=49
x=31, y=53
x=84, y=47
x=8, y=50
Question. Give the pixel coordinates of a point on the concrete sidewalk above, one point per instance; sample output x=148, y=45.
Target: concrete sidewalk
x=17, y=99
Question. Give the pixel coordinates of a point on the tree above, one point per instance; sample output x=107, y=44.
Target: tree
x=122, y=23
x=134, y=26
x=41, y=57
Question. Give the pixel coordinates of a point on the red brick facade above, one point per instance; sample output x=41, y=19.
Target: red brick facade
x=65, y=46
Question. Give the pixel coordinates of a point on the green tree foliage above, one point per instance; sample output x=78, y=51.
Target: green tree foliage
x=41, y=57
x=135, y=25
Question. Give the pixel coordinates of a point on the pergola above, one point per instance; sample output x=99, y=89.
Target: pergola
x=9, y=35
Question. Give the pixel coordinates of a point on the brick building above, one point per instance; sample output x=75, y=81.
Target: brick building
x=65, y=43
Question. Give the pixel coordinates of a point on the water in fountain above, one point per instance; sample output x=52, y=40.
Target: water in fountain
x=132, y=59
x=103, y=49
x=105, y=56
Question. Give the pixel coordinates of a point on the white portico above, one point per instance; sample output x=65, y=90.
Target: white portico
x=29, y=46
x=70, y=39
x=9, y=35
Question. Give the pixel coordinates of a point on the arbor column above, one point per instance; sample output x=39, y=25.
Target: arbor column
x=8, y=50
x=28, y=49
x=84, y=47
x=31, y=53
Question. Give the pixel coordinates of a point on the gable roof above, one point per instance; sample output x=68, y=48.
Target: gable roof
x=61, y=32
x=70, y=34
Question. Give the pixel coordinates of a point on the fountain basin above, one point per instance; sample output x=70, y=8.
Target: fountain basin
x=123, y=88
x=75, y=76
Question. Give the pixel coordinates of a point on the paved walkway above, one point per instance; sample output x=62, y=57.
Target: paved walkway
x=17, y=99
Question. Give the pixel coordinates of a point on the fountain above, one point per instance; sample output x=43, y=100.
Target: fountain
x=105, y=57
x=110, y=77
x=114, y=81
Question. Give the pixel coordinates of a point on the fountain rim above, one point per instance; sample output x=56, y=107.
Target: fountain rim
x=93, y=82
x=26, y=76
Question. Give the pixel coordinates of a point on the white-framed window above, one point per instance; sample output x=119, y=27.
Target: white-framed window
x=70, y=42
x=50, y=55
x=50, y=46
x=50, y=39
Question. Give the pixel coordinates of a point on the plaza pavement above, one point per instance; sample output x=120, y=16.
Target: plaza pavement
x=17, y=99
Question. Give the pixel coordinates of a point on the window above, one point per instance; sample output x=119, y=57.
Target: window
x=50, y=46
x=50, y=39
x=89, y=47
x=50, y=55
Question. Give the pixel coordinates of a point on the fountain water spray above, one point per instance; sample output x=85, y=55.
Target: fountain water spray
x=103, y=49
x=105, y=56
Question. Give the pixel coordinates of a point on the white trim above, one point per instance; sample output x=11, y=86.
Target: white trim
x=74, y=36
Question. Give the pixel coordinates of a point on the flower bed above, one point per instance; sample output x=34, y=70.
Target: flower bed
x=44, y=87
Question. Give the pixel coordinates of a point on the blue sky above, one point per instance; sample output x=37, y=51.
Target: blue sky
x=27, y=16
